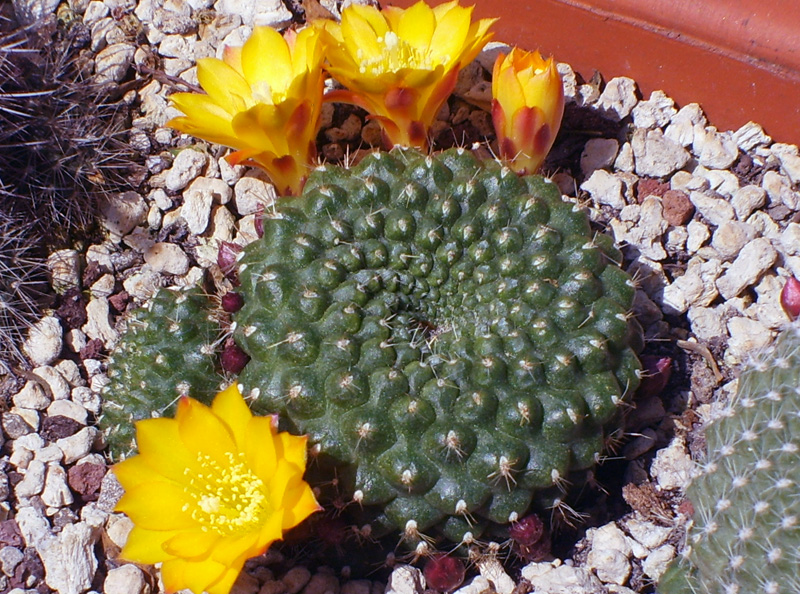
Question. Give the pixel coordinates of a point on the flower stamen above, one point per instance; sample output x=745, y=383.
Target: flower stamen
x=227, y=499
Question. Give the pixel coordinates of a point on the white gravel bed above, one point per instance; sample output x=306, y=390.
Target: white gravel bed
x=709, y=222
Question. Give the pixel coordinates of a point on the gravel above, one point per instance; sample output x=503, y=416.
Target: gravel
x=708, y=220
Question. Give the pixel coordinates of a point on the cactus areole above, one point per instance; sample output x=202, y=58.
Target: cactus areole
x=454, y=338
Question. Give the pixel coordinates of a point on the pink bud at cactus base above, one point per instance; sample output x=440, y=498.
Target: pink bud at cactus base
x=233, y=359
x=790, y=298
x=444, y=573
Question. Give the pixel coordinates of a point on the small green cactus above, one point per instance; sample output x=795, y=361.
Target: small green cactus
x=453, y=337
x=745, y=537
x=167, y=352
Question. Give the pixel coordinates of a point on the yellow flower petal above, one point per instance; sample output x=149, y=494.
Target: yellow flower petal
x=259, y=450
x=146, y=546
x=262, y=126
x=383, y=55
x=202, y=431
x=450, y=35
x=266, y=57
x=160, y=447
x=234, y=550
x=304, y=504
x=233, y=410
x=199, y=576
x=203, y=118
x=278, y=484
x=292, y=449
x=416, y=25
x=232, y=56
x=134, y=471
x=361, y=28
x=180, y=574
x=271, y=531
x=224, y=584
x=157, y=506
x=224, y=85
x=190, y=544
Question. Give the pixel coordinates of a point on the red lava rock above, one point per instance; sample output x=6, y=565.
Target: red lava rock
x=233, y=359
x=92, y=349
x=119, y=301
x=650, y=187
x=30, y=569
x=93, y=272
x=444, y=573
x=232, y=302
x=72, y=309
x=678, y=209
x=58, y=427
x=790, y=298
x=85, y=479
x=657, y=371
x=10, y=534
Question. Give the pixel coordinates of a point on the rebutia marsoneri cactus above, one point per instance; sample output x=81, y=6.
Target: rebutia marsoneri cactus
x=168, y=351
x=745, y=537
x=454, y=338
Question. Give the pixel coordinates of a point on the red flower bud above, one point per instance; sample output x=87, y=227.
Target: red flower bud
x=233, y=359
x=657, y=371
x=232, y=302
x=226, y=259
x=790, y=298
x=444, y=573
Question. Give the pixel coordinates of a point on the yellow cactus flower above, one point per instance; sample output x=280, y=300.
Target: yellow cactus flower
x=402, y=64
x=209, y=489
x=527, y=107
x=263, y=99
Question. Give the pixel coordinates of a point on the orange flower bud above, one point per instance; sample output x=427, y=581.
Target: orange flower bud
x=527, y=106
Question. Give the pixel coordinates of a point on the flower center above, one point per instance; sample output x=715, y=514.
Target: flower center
x=396, y=55
x=228, y=498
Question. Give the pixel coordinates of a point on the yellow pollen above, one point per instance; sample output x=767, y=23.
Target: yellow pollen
x=397, y=54
x=227, y=498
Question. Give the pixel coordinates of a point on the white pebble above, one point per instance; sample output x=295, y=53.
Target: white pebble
x=127, y=579
x=167, y=258
x=188, y=164
x=754, y=259
x=657, y=155
x=56, y=491
x=714, y=209
x=44, y=341
x=747, y=199
x=78, y=445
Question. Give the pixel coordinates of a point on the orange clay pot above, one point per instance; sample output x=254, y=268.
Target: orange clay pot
x=740, y=59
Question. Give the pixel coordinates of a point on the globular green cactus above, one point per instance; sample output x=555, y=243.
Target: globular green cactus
x=167, y=351
x=745, y=537
x=454, y=338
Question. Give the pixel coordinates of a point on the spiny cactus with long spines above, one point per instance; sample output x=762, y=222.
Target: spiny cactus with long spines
x=454, y=338
x=23, y=286
x=63, y=136
x=745, y=537
x=168, y=351
x=62, y=147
